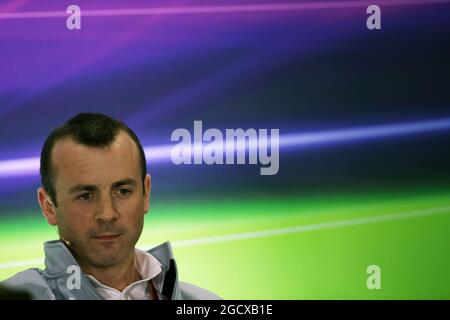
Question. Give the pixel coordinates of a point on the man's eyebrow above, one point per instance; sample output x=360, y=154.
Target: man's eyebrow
x=128, y=181
x=87, y=187
x=92, y=187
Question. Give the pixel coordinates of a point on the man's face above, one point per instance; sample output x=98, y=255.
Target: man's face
x=101, y=201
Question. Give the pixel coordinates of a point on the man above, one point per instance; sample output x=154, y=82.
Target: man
x=95, y=191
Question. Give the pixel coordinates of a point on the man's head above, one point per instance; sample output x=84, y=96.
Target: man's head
x=95, y=187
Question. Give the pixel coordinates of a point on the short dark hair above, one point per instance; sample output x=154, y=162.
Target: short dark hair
x=90, y=129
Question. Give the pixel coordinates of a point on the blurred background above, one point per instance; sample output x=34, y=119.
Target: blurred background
x=364, y=180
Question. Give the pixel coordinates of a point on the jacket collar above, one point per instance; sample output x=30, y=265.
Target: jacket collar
x=58, y=258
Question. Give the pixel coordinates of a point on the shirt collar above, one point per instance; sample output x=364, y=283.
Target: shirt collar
x=147, y=266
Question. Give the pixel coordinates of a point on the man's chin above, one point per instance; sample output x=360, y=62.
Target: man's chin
x=106, y=259
x=109, y=254
x=105, y=262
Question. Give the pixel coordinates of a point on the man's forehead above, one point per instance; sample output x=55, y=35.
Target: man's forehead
x=76, y=159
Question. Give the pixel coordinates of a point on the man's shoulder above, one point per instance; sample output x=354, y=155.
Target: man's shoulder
x=191, y=292
x=30, y=281
x=24, y=277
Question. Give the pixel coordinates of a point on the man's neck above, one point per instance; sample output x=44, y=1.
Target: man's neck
x=118, y=276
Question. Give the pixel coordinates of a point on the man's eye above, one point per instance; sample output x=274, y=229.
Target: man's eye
x=85, y=197
x=124, y=192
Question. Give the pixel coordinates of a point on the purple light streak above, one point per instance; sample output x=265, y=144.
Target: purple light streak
x=216, y=9
x=162, y=153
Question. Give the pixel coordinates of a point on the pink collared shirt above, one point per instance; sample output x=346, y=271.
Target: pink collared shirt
x=149, y=269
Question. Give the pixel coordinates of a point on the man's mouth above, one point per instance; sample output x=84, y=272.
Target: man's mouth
x=107, y=237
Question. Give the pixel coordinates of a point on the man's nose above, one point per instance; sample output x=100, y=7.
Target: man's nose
x=107, y=211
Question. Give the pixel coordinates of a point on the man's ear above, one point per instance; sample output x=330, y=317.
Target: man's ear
x=147, y=188
x=47, y=207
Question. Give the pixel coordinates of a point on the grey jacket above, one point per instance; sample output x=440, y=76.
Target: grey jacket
x=51, y=283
